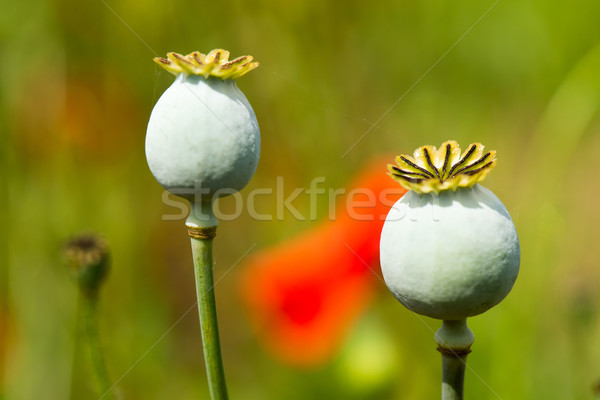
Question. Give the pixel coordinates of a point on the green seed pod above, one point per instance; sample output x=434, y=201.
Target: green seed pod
x=203, y=136
x=449, y=248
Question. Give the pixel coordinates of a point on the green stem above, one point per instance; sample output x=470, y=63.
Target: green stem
x=453, y=377
x=88, y=304
x=454, y=340
x=203, y=268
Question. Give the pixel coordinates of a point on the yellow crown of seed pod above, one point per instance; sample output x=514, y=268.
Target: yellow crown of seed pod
x=434, y=170
x=216, y=64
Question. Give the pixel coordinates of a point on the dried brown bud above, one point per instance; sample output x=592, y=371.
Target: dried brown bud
x=87, y=258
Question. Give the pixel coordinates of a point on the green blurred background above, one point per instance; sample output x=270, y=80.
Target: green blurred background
x=78, y=85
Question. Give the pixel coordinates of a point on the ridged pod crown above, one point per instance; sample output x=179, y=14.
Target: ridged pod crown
x=430, y=169
x=214, y=64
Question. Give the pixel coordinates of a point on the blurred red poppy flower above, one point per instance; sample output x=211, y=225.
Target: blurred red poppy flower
x=304, y=294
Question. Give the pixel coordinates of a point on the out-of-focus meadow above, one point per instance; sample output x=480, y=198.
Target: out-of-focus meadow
x=340, y=84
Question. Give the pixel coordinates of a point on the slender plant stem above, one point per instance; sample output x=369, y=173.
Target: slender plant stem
x=203, y=268
x=453, y=377
x=88, y=304
x=454, y=340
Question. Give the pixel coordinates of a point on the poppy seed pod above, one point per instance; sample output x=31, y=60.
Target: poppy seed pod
x=203, y=137
x=449, y=248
